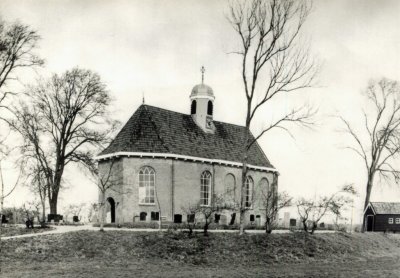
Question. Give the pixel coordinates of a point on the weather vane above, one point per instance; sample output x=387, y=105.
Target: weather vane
x=202, y=74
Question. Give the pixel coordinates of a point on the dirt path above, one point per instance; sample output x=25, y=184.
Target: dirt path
x=67, y=228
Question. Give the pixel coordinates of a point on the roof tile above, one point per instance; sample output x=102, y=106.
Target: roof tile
x=157, y=130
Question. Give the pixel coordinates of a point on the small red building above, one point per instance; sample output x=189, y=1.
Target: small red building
x=382, y=217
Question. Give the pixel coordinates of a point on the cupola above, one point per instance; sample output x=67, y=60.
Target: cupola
x=202, y=105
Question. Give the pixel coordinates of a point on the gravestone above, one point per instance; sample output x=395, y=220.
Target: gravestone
x=190, y=218
x=223, y=220
x=258, y=220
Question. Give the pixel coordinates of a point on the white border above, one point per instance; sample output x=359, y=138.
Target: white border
x=185, y=157
x=201, y=96
x=370, y=206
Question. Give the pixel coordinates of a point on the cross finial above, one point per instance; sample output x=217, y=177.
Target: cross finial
x=202, y=74
x=143, y=97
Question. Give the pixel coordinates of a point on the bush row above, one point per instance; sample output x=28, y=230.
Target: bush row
x=171, y=225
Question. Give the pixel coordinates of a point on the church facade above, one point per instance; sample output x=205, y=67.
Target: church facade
x=165, y=161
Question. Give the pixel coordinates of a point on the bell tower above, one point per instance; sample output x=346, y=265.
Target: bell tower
x=202, y=105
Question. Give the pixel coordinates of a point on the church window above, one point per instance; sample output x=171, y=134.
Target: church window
x=230, y=187
x=251, y=217
x=205, y=189
x=249, y=192
x=262, y=192
x=193, y=107
x=155, y=215
x=146, y=185
x=210, y=108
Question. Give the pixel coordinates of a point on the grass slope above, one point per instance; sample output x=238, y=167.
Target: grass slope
x=21, y=230
x=86, y=254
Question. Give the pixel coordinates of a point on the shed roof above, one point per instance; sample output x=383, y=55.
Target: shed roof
x=385, y=208
x=156, y=130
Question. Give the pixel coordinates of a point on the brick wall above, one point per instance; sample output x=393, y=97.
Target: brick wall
x=178, y=185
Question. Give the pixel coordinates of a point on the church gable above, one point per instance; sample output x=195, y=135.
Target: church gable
x=155, y=130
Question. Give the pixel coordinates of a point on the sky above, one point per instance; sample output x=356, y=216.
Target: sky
x=155, y=49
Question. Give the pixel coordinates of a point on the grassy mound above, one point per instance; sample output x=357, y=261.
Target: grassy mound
x=122, y=247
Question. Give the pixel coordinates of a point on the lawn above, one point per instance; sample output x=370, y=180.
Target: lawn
x=128, y=254
x=12, y=230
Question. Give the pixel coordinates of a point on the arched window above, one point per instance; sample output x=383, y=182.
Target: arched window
x=230, y=186
x=249, y=191
x=147, y=178
x=193, y=107
x=263, y=188
x=205, y=188
x=262, y=193
x=210, y=108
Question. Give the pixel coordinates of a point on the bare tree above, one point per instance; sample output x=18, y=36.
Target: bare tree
x=218, y=204
x=36, y=181
x=191, y=220
x=5, y=194
x=311, y=211
x=31, y=210
x=18, y=43
x=272, y=64
x=337, y=209
x=63, y=120
x=272, y=202
x=159, y=208
x=74, y=209
x=379, y=153
x=108, y=178
x=2, y=198
x=93, y=212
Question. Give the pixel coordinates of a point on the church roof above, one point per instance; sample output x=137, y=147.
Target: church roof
x=156, y=130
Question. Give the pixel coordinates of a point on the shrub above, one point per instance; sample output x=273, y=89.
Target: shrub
x=131, y=225
x=176, y=226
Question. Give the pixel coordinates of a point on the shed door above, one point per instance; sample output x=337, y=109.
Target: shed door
x=370, y=223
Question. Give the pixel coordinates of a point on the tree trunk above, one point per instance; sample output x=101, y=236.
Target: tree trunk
x=103, y=211
x=53, y=204
x=242, y=200
x=305, y=228
x=44, y=211
x=205, y=228
x=159, y=209
x=313, y=228
x=55, y=187
x=268, y=226
x=367, y=197
x=1, y=217
x=244, y=170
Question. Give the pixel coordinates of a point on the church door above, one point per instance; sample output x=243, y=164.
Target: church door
x=110, y=210
x=370, y=223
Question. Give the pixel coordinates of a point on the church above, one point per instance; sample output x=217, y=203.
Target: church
x=166, y=161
